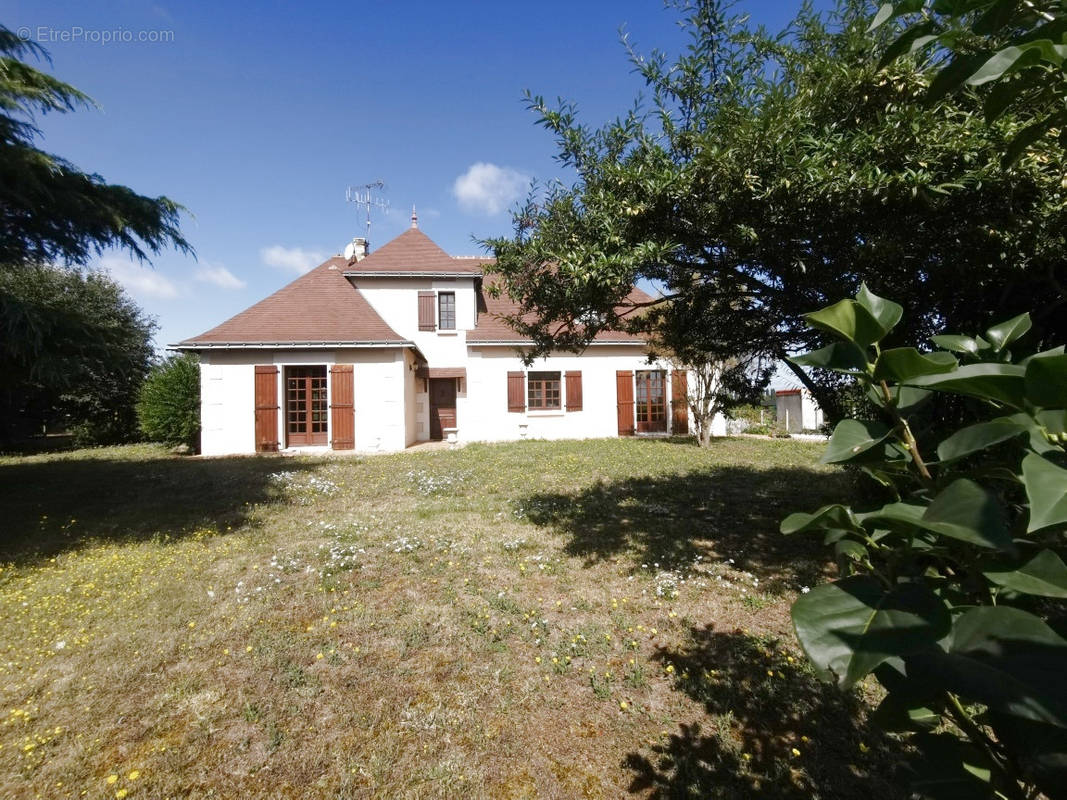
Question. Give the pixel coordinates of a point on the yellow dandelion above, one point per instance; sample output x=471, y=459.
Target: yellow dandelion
x=795, y=752
x=134, y=774
x=318, y=656
x=112, y=779
x=121, y=793
x=623, y=705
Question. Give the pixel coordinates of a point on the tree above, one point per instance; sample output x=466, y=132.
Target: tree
x=73, y=350
x=168, y=404
x=50, y=211
x=1021, y=47
x=772, y=174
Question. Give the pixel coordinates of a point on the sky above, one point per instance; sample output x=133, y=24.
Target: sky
x=257, y=118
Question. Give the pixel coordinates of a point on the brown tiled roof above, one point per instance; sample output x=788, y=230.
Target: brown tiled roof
x=492, y=328
x=413, y=251
x=319, y=307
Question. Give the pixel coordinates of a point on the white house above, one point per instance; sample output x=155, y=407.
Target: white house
x=382, y=350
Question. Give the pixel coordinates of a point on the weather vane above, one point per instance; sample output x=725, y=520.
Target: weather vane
x=364, y=197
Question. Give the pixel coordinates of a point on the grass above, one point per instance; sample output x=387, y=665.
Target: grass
x=574, y=619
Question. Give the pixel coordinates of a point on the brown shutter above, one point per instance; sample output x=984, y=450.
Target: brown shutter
x=574, y=391
x=679, y=402
x=624, y=386
x=426, y=311
x=342, y=414
x=516, y=392
x=266, y=409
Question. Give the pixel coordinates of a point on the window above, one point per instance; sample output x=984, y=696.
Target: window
x=543, y=391
x=446, y=311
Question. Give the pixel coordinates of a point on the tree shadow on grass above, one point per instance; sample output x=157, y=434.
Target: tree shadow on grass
x=761, y=707
x=725, y=512
x=52, y=506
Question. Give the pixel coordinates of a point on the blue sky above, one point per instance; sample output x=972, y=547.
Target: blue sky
x=257, y=118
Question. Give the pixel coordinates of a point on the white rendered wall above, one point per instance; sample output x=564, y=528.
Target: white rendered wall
x=482, y=412
x=228, y=395
x=396, y=301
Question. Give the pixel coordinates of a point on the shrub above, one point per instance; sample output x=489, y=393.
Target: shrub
x=168, y=407
x=947, y=591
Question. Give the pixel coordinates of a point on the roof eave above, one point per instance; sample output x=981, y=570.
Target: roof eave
x=409, y=274
x=193, y=345
x=528, y=342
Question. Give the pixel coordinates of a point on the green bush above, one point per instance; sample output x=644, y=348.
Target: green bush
x=951, y=594
x=168, y=406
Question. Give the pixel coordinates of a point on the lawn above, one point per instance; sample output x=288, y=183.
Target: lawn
x=564, y=620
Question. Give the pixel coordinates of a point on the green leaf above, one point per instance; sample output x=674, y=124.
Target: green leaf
x=997, y=65
x=1000, y=336
x=885, y=311
x=852, y=437
x=1006, y=658
x=1046, y=489
x=955, y=343
x=884, y=13
x=849, y=548
x=826, y=518
x=1027, y=136
x=952, y=76
x=975, y=438
x=839, y=356
x=1046, y=381
x=849, y=320
x=966, y=511
x=1044, y=575
x=949, y=768
x=904, y=363
x=1004, y=383
x=897, y=713
x=849, y=627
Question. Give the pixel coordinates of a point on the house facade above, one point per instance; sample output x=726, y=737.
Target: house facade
x=378, y=351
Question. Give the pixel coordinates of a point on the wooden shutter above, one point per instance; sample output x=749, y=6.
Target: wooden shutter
x=624, y=387
x=516, y=392
x=426, y=311
x=574, y=391
x=679, y=402
x=342, y=408
x=266, y=409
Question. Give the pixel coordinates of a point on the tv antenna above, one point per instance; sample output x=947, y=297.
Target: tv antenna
x=364, y=197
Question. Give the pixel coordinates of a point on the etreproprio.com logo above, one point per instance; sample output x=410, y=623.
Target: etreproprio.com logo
x=76, y=34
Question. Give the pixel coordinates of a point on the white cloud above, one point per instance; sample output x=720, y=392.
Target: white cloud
x=140, y=281
x=489, y=189
x=219, y=276
x=291, y=259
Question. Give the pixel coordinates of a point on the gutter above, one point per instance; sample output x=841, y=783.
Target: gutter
x=408, y=274
x=283, y=345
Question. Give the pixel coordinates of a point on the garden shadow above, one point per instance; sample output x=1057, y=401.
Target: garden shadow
x=56, y=505
x=722, y=512
x=773, y=730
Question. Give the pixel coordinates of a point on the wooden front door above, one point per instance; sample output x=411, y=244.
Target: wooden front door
x=305, y=406
x=442, y=406
x=651, y=401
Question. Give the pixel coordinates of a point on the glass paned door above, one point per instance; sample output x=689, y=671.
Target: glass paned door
x=650, y=402
x=305, y=406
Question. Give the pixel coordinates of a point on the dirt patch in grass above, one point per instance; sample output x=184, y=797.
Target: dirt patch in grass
x=574, y=619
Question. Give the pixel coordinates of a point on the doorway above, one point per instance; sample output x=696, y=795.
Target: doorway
x=442, y=406
x=651, y=401
x=305, y=406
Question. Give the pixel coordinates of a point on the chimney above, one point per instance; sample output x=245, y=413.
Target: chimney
x=357, y=250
